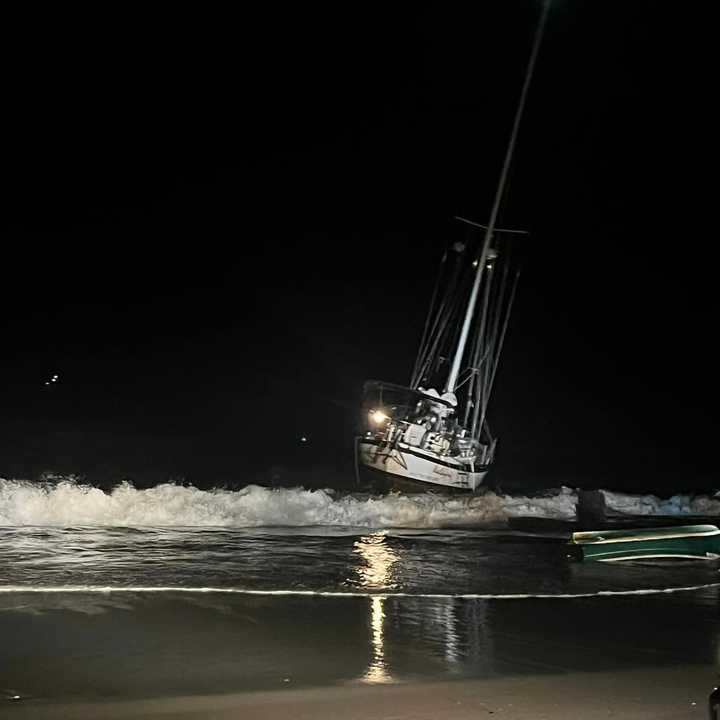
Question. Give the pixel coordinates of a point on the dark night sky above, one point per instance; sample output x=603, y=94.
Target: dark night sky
x=215, y=227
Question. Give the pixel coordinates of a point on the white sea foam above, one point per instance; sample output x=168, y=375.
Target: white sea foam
x=652, y=505
x=66, y=503
x=182, y=590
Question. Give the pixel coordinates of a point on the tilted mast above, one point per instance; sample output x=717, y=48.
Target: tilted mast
x=490, y=230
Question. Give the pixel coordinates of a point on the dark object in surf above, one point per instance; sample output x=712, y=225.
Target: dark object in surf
x=714, y=704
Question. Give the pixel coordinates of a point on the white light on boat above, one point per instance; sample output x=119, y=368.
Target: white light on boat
x=475, y=263
x=303, y=439
x=378, y=417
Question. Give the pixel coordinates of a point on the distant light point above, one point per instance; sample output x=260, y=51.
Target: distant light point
x=303, y=439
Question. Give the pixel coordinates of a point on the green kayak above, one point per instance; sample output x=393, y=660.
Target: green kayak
x=687, y=541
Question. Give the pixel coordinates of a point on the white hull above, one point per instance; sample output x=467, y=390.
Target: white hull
x=422, y=467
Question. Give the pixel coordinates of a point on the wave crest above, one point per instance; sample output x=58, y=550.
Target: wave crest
x=67, y=503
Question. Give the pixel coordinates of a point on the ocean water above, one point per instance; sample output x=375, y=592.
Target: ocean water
x=174, y=590
x=65, y=536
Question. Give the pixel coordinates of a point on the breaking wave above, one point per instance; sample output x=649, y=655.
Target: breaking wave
x=68, y=503
x=653, y=505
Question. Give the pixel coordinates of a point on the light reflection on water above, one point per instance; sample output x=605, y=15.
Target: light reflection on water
x=377, y=671
x=447, y=620
x=437, y=620
x=375, y=573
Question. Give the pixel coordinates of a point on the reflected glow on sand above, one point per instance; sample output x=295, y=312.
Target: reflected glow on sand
x=376, y=573
x=452, y=645
x=377, y=671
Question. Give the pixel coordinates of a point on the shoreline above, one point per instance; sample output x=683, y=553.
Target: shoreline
x=639, y=694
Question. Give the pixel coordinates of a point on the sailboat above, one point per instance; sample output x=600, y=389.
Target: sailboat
x=434, y=433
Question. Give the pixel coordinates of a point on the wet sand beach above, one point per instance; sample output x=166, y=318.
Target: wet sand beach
x=630, y=695
x=146, y=655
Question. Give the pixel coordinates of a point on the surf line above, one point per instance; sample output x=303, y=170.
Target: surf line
x=110, y=590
